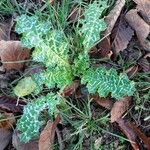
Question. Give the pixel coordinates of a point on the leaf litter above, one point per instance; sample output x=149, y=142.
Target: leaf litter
x=119, y=33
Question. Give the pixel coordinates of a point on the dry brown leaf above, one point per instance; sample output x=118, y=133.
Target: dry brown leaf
x=7, y=120
x=103, y=49
x=121, y=35
x=119, y=108
x=143, y=7
x=144, y=64
x=5, y=29
x=70, y=89
x=113, y=15
x=12, y=54
x=47, y=135
x=129, y=133
x=141, y=28
x=5, y=137
x=132, y=71
x=31, y=145
x=140, y=134
x=104, y=102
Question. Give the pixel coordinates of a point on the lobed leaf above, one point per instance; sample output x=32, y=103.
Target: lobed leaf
x=51, y=48
x=32, y=30
x=29, y=124
x=92, y=25
x=108, y=81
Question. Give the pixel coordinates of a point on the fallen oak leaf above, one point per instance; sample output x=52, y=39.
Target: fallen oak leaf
x=141, y=135
x=13, y=55
x=141, y=28
x=119, y=108
x=129, y=133
x=47, y=135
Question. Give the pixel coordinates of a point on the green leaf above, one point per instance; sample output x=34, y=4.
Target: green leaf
x=92, y=25
x=32, y=30
x=81, y=64
x=54, y=50
x=106, y=81
x=51, y=48
x=29, y=124
x=25, y=87
x=51, y=77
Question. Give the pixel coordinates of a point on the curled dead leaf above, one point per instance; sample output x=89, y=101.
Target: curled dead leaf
x=47, y=135
x=119, y=108
x=13, y=55
x=141, y=28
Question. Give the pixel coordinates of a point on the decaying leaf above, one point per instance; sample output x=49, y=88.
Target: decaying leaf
x=140, y=134
x=119, y=108
x=129, y=133
x=68, y=90
x=104, y=102
x=47, y=135
x=121, y=35
x=144, y=64
x=11, y=104
x=7, y=120
x=13, y=55
x=143, y=6
x=132, y=71
x=113, y=15
x=104, y=48
x=5, y=28
x=31, y=145
x=5, y=137
x=25, y=87
x=141, y=28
